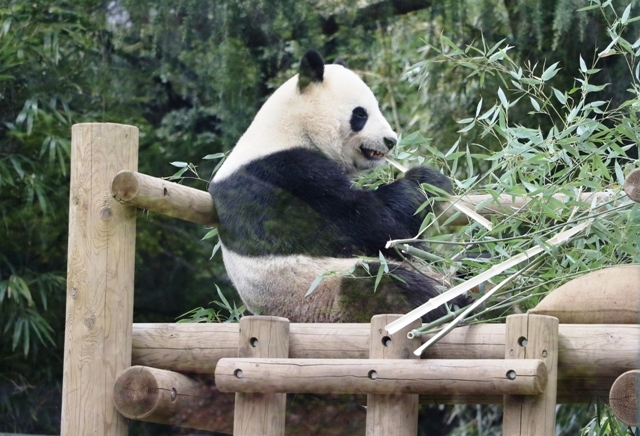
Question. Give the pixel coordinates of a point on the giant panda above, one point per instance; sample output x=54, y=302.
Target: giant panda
x=288, y=211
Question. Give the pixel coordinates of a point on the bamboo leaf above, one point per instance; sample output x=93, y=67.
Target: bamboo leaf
x=535, y=104
x=503, y=98
x=314, y=284
x=625, y=15
x=550, y=72
x=583, y=65
x=456, y=291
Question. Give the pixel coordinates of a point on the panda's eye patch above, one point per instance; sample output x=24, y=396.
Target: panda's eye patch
x=359, y=118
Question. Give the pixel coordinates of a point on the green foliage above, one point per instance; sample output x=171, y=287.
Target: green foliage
x=191, y=75
x=574, y=142
x=583, y=149
x=232, y=313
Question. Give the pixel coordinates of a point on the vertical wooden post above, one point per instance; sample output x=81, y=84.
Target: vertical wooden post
x=532, y=337
x=261, y=414
x=99, y=279
x=392, y=414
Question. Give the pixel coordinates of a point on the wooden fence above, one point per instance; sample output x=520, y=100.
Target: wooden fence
x=528, y=364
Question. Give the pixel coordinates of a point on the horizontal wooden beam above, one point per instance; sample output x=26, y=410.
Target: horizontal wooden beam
x=382, y=376
x=170, y=398
x=190, y=204
x=164, y=197
x=167, y=397
x=591, y=357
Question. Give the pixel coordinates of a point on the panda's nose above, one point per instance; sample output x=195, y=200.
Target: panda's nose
x=390, y=142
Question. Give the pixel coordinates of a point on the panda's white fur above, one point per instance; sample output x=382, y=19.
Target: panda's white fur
x=289, y=214
x=317, y=118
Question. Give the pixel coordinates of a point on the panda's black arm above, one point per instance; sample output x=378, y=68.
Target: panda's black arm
x=365, y=219
x=404, y=196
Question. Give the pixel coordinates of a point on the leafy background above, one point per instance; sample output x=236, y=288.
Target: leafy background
x=524, y=97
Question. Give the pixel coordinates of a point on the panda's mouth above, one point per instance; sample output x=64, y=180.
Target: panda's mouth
x=371, y=154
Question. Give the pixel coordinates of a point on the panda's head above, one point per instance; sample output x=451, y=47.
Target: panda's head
x=340, y=116
x=326, y=108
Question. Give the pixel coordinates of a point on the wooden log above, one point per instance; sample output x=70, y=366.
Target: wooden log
x=632, y=185
x=171, y=398
x=623, y=398
x=99, y=312
x=164, y=197
x=261, y=413
x=147, y=394
x=180, y=347
x=532, y=337
x=190, y=204
x=393, y=413
x=382, y=376
x=590, y=358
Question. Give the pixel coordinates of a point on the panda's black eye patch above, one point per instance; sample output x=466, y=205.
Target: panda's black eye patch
x=359, y=118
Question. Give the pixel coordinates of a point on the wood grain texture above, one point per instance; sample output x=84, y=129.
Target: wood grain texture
x=261, y=413
x=623, y=398
x=530, y=337
x=392, y=376
x=100, y=276
x=590, y=357
x=392, y=413
x=632, y=185
x=171, y=398
x=164, y=197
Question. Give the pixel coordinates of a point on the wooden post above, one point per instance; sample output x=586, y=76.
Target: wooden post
x=100, y=273
x=392, y=414
x=261, y=414
x=532, y=337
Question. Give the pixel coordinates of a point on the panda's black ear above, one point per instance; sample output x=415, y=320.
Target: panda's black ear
x=311, y=69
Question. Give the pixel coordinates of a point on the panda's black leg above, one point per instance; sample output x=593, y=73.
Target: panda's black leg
x=398, y=292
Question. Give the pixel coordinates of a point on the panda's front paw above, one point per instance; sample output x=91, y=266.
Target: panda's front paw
x=430, y=176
